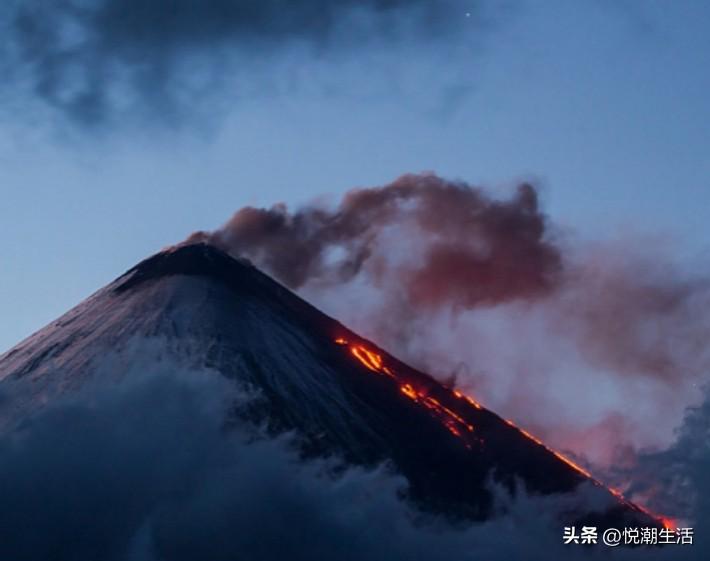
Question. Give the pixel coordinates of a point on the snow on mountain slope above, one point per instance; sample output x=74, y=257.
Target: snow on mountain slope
x=341, y=394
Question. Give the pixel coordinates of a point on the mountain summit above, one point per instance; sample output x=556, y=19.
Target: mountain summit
x=342, y=395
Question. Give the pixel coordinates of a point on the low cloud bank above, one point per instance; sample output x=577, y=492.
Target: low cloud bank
x=145, y=469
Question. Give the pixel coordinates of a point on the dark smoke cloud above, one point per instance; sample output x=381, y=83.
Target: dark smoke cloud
x=479, y=250
x=95, y=60
x=144, y=469
x=597, y=347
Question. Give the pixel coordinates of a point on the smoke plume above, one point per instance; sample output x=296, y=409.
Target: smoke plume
x=478, y=251
x=596, y=347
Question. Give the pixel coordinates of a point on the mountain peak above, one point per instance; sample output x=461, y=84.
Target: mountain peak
x=194, y=259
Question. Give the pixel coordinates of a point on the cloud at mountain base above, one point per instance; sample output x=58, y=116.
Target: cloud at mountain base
x=145, y=469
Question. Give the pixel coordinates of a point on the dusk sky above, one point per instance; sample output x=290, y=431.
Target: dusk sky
x=601, y=104
x=505, y=204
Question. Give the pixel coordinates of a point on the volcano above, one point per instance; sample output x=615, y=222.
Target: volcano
x=341, y=394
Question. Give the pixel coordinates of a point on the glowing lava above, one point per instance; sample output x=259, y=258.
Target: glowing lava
x=458, y=426
x=453, y=422
x=667, y=522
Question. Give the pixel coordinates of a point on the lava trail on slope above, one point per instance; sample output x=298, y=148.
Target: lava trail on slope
x=341, y=394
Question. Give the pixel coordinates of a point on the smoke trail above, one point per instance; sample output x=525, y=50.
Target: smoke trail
x=470, y=250
x=598, y=348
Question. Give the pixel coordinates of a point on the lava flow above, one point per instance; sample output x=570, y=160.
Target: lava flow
x=458, y=426
x=453, y=422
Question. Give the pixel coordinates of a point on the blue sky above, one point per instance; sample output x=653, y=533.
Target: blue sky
x=603, y=104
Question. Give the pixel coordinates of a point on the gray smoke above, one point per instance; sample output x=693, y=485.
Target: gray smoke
x=678, y=476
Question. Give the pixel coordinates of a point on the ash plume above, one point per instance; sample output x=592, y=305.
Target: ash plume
x=476, y=250
x=598, y=348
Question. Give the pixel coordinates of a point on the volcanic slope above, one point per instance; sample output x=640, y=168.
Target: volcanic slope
x=342, y=395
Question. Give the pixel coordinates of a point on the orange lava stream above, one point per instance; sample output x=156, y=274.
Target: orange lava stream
x=457, y=425
x=667, y=522
x=453, y=422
